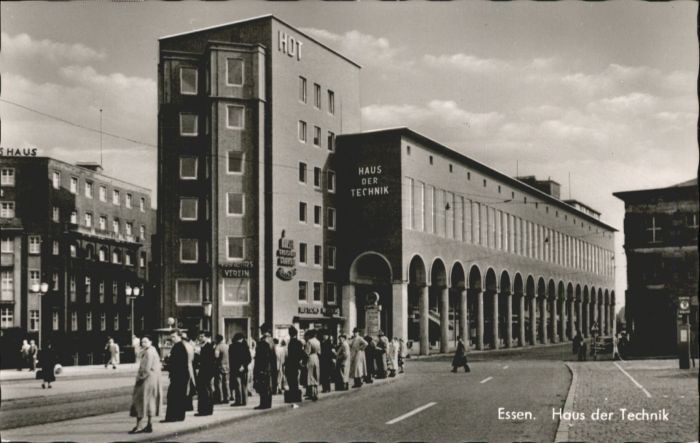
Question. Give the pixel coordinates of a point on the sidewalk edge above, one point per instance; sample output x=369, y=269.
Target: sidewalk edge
x=562, y=434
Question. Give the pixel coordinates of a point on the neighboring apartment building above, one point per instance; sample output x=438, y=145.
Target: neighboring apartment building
x=248, y=115
x=661, y=244
x=74, y=242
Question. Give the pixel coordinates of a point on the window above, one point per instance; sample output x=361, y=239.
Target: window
x=74, y=217
x=34, y=278
x=74, y=185
x=7, y=177
x=317, y=136
x=54, y=320
x=56, y=214
x=234, y=72
x=142, y=232
x=188, y=208
x=331, y=141
x=430, y=159
x=115, y=292
x=129, y=199
x=235, y=116
x=331, y=181
x=73, y=321
x=88, y=289
x=188, y=250
x=317, y=292
x=302, y=89
x=8, y=245
x=102, y=292
x=142, y=204
x=302, y=212
x=7, y=317
x=331, y=257
x=115, y=226
x=484, y=183
x=103, y=193
x=73, y=251
x=317, y=96
x=317, y=177
x=7, y=293
x=103, y=223
x=317, y=255
x=103, y=322
x=188, y=124
x=317, y=215
x=56, y=180
x=499, y=189
x=188, y=81
x=235, y=203
x=55, y=247
x=115, y=197
x=71, y=287
x=88, y=189
x=654, y=231
x=34, y=320
x=188, y=291
x=188, y=168
x=303, y=289
x=142, y=260
x=88, y=321
x=331, y=294
x=235, y=290
x=330, y=218
x=302, y=172
x=331, y=102
x=7, y=210
x=34, y=244
x=235, y=248
x=235, y=162
x=102, y=254
x=129, y=228
x=302, y=252
x=127, y=259
x=116, y=321
x=116, y=257
x=88, y=220
x=302, y=131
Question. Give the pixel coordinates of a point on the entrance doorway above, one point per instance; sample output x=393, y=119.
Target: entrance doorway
x=235, y=325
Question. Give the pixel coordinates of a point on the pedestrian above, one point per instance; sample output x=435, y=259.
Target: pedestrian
x=576, y=342
x=296, y=357
x=221, y=375
x=342, y=364
x=313, y=365
x=33, y=355
x=402, y=355
x=146, y=398
x=112, y=350
x=205, y=375
x=180, y=375
x=358, y=369
x=250, y=368
x=48, y=360
x=382, y=345
x=393, y=356
x=460, y=358
x=583, y=350
x=136, y=345
x=371, y=354
x=23, y=356
x=264, y=367
x=327, y=361
x=281, y=354
x=278, y=369
x=238, y=359
x=191, y=386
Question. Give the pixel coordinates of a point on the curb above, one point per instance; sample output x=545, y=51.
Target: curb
x=488, y=351
x=273, y=410
x=562, y=434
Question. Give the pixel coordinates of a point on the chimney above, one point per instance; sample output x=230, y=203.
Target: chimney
x=91, y=166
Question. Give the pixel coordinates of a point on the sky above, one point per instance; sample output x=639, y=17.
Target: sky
x=601, y=92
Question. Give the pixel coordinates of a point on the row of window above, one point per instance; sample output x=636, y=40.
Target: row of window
x=189, y=165
x=189, y=76
x=450, y=215
x=318, y=215
x=189, y=206
x=317, y=291
x=89, y=222
x=189, y=121
x=317, y=135
x=88, y=192
x=659, y=229
x=303, y=95
x=87, y=321
x=7, y=244
x=318, y=180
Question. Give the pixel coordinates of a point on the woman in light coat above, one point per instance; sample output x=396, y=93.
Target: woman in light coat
x=393, y=356
x=313, y=365
x=146, y=399
x=357, y=358
x=281, y=354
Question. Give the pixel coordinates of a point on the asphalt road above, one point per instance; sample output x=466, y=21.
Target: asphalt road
x=443, y=406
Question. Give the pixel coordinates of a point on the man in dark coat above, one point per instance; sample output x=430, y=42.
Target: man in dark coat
x=265, y=368
x=460, y=358
x=294, y=361
x=205, y=375
x=238, y=360
x=179, y=374
x=327, y=361
x=371, y=352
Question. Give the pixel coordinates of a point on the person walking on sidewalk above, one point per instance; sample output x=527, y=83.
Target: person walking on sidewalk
x=180, y=375
x=402, y=354
x=192, y=386
x=112, y=350
x=264, y=368
x=371, y=356
x=281, y=354
x=460, y=358
x=342, y=364
x=238, y=360
x=393, y=356
x=33, y=354
x=313, y=365
x=47, y=361
x=293, y=363
x=146, y=398
x=205, y=375
x=23, y=356
x=327, y=361
x=221, y=376
x=358, y=368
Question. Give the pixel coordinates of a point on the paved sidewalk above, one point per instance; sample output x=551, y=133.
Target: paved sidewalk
x=69, y=371
x=115, y=427
x=652, y=386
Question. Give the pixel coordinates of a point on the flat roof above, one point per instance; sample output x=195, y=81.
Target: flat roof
x=405, y=131
x=262, y=17
x=677, y=188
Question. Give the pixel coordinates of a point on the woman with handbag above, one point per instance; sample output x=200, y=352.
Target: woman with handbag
x=146, y=398
x=47, y=361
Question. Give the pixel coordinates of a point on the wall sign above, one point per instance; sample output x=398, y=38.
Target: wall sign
x=17, y=152
x=328, y=311
x=286, y=258
x=289, y=45
x=370, y=182
x=242, y=269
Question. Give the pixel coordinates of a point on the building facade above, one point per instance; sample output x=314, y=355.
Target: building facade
x=661, y=244
x=74, y=243
x=455, y=248
x=248, y=115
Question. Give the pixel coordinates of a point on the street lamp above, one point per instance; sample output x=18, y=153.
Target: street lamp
x=40, y=289
x=132, y=294
x=207, y=311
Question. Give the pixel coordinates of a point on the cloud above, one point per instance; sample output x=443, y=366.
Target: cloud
x=467, y=63
x=25, y=47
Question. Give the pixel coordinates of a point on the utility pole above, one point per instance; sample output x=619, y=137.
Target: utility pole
x=101, y=137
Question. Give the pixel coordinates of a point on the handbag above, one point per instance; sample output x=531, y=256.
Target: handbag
x=57, y=369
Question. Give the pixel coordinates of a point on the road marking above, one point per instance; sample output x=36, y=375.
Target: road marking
x=505, y=367
x=633, y=380
x=486, y=379
x=413, y=412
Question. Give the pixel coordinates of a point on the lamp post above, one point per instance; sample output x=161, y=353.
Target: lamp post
x=132, y=294
x=40, y=289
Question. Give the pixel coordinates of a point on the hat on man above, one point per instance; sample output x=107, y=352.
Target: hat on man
x=265, y=327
